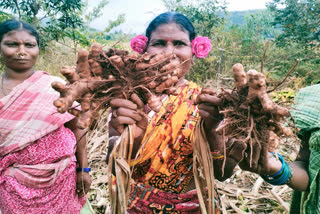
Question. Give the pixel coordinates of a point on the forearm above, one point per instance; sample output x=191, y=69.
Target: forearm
x=81, y=154
x=300, y=177
x=81, y=143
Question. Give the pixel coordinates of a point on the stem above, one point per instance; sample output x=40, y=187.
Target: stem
x=292, y=69
x=17, y=5
x=264, y=55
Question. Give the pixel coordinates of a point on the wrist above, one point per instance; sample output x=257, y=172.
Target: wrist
x=275, y=165
x=283, y=176
x=85, y=169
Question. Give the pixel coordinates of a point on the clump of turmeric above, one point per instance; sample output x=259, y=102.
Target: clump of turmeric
x=102, y=75
x=250, y=116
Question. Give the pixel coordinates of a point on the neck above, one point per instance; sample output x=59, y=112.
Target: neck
x=19, y=76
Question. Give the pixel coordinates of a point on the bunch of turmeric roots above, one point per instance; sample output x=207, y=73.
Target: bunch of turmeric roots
x=250, y=116
x=102, y=75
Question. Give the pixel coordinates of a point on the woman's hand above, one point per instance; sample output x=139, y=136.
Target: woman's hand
x=208, y=105
x=127, y=112
x=83, y=183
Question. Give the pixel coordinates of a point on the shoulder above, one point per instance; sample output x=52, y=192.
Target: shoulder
x=310, y=93
x=309, y=89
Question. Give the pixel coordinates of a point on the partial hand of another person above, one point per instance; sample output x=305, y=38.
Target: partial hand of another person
x=260, y=161
x=83, y=183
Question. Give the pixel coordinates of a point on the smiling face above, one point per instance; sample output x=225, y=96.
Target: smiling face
x=171, y=38
x=19, y=50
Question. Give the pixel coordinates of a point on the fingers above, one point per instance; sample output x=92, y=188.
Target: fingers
x=210, y=114
x=83, y=183
x=171, y=66
x=237, y=150
x=134, y=97
x=159, y=57
x=208, y=99
x=208, y=111
x=256, y=151
x=264, y=158
x=117, y=103
x=123, y=112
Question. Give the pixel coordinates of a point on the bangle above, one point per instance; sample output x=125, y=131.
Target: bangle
x=79, y=169
x=282, y=165
x=282, y=177
x=216, y=155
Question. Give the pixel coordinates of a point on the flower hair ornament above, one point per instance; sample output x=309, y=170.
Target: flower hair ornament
x=139, y=43
x=201, y=46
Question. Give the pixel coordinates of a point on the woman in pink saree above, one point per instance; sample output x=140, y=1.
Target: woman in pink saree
x=39, y=152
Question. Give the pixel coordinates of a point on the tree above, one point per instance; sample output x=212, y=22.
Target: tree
x=59, y=19
x=204, y=14
x=54, y=19
x=299, y=20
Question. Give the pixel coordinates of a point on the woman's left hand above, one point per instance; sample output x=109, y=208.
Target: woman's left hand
x=83, y=183
x=208, y=103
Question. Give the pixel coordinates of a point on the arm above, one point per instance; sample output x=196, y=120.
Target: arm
x=270, y=165
x=83, y=178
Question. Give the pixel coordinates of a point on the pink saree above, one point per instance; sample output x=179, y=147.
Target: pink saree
x=37, y=162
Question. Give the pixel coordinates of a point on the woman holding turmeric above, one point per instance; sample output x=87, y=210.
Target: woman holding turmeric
x=37, y=147
x=163, y=178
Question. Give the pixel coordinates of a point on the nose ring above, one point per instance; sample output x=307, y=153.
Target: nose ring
x=21, y=55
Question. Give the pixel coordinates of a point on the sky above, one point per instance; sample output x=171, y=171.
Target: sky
x=138, y=13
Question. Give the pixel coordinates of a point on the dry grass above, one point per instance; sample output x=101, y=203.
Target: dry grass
x=55, y=56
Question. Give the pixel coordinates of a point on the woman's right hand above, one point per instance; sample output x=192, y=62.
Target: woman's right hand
x=129, y=112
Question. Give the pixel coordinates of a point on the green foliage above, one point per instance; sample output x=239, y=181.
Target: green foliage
x=204, y=14
x=54, y=19
x=298, y=19
x=285, y=95
x=60, y=19
x=4, y=16
x=252, y=42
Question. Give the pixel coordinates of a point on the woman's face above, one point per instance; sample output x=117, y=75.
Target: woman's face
x=19, y=50
x=170, y=38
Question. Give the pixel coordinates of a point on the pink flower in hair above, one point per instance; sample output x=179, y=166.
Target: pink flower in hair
x=139, y=43
x=201, y=46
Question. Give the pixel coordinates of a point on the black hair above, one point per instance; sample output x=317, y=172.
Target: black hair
x=12, y=24
x=171, y=17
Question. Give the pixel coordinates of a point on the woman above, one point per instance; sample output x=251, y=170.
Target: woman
x=163, y=178
x=38, y=163
x=303, y=174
